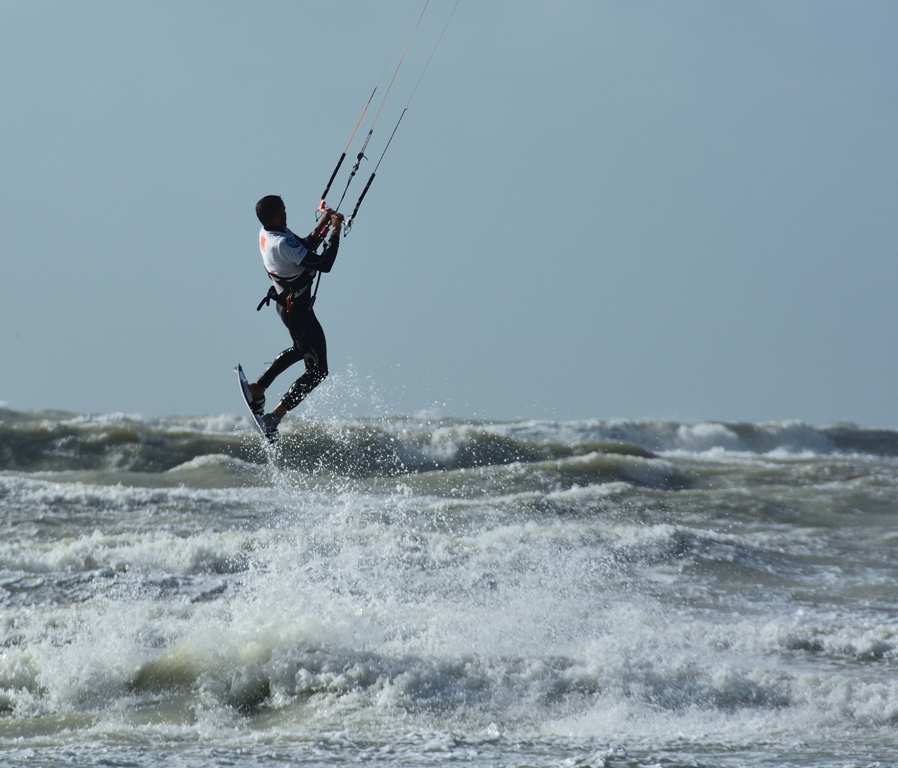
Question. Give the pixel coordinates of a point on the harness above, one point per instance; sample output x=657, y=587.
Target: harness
x=288, y=292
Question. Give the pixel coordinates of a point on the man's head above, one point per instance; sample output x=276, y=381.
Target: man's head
x=271, y=212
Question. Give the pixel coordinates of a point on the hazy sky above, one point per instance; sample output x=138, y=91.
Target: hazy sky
x=591, y=210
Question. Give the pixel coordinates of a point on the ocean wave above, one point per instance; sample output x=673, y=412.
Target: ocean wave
x=53, y=442
x=280, y=665
x=790, y=437
x=39, y=496
x=852, y=644
x=157, y=552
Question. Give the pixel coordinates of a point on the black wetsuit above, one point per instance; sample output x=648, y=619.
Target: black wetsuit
x=309, y=344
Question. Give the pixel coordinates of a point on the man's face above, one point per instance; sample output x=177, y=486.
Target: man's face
x=280, y=221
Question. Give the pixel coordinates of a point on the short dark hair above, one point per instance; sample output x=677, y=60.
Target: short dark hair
x=268, y=209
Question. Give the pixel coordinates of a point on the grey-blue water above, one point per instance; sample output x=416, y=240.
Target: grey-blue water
x=415, y=592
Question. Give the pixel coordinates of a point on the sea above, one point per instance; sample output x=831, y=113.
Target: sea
x=429, y=591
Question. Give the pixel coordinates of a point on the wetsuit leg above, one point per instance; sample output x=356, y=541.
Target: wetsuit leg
x=281, y=363
x=308, y=336
x=309, y=345
x=284, y=360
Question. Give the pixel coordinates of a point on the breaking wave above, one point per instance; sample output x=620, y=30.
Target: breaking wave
x=56, y=442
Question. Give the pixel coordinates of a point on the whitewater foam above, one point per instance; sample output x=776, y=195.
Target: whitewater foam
x=400, y=591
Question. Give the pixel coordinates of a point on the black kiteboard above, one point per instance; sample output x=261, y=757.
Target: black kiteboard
x=248, y=398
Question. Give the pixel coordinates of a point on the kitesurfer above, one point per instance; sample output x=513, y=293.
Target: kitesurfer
x=293, y=263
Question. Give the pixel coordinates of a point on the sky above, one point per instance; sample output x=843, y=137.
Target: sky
x=591, y=210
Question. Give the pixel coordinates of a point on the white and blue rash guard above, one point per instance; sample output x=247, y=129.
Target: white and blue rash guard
x=282, y=253
x=287, y=258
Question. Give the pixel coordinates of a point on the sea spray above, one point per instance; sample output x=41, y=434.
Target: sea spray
x=404, y=591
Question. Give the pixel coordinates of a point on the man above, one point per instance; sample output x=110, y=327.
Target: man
x=293, y=264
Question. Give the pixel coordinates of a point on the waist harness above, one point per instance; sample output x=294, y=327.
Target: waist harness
x=288, y=292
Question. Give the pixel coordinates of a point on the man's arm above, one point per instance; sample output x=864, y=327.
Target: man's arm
x=316, y=236
x=324, y=261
